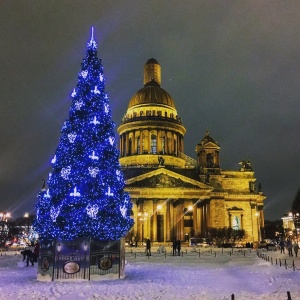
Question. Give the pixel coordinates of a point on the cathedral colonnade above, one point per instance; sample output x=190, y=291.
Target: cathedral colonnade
x=151, y=141
x=174, y=195
x=167, y=219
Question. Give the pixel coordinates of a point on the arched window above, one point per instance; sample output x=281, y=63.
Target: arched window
x=236, y=223
x=153, y=144
x=209, y=161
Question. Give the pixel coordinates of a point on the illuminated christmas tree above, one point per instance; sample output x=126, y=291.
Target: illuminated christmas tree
x=85, y=196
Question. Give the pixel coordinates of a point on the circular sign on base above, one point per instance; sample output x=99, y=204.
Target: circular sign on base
x=105, y=263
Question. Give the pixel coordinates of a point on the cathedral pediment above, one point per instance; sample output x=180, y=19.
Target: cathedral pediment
x=163, y=178
x=212, y=145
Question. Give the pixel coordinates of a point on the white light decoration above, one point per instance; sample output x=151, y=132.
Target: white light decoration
x=119, y=175
x=78, y=104
x=65, y=125
x=92, y=210
x=96, y=91
x=73, y=93
x=47, y=195
x=93, y=156
x=111, y=140
x=54, y=212
x=105, y=97
x=84, y=74
x=123, y=210
x=93, y=171
x=108, y=192
x=37, y=213
x=72, y=136
x=106, y=108
x=50, y=175
x=95, y=121
x=92, y=43
x=53, y=160
x=101, y=77
x=65, y=172
x=75, y=193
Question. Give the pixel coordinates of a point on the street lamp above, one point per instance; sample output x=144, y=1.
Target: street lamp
x=143, y=217
x=58, y=247
x=26, y=216
x=4, y=216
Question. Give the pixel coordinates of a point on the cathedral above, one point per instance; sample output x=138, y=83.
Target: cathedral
x=174, y=195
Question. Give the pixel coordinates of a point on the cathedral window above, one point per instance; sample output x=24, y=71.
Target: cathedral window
x=236, y=223
x=209, y=161
x=153, y=143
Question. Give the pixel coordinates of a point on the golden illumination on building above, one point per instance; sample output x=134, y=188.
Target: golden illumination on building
x=182, y=196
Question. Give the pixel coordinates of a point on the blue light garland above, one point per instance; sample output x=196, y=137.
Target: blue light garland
x=86, y=195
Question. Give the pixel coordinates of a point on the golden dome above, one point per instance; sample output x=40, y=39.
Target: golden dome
x=151, y=93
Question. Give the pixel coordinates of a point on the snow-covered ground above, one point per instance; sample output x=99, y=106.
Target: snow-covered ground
x=213, y=275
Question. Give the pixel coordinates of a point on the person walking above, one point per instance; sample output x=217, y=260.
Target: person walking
x=178, y=247
x=289, y=246
x=36, y=252
x=296, y=248
x=148, y=247
x=281, y=244
x=174, y=245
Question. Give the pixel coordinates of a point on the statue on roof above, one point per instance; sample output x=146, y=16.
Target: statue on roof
x=245, y=166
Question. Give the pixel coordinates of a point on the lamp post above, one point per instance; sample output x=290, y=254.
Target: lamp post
x=26, y=217
x=58, y=251
x=142, y=218
x=85, y=248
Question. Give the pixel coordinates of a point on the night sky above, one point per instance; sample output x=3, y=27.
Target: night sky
x=232, y=67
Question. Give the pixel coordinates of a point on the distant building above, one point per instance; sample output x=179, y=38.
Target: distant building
x=174, y=195
x=291, y=224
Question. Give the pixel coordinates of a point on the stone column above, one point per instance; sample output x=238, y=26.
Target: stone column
x=127, y=144
x=167, y=233
x=180, y=221
x=199, y=215
x=149, y=141
x=133, y=150
x=121, y=145
x=154, y=218
x=195, y=218
x=204, y=224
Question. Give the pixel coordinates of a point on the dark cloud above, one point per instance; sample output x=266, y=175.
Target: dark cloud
x=232, y=67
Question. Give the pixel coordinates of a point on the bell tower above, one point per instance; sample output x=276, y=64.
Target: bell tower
x=208, y=160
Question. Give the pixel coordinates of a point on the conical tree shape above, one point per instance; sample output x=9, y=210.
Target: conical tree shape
x=86, y=195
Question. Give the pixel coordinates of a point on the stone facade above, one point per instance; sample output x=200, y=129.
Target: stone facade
x=173, y=195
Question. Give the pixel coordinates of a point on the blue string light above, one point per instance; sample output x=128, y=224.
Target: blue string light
x=85, y=196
